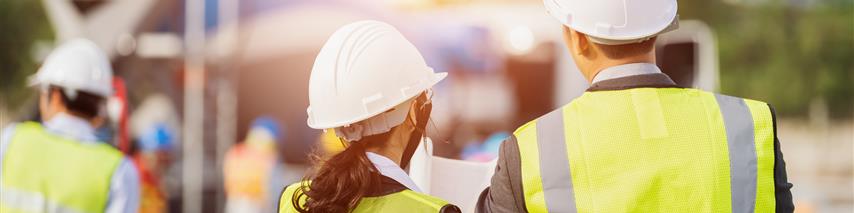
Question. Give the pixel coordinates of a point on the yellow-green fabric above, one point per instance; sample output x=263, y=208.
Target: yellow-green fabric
x=764, y=128
x=43, y=172
x=403, y=201
x=647, y=150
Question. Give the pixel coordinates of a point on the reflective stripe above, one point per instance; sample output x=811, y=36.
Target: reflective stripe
x=29, y=202
x=532, y=184
x=554, y=163
x=742, y=153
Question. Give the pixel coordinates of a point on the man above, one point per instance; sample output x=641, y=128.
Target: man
x=635, y=141
x=58, y=165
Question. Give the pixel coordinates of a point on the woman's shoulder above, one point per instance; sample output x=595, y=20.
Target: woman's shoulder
x=406, y=200
x=392, y=198
x=291, y=188
x=443, y=206
x=286, y=197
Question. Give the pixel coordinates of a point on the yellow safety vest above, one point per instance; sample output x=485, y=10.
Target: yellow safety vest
x=43, y=172
x=247, y=171
x=403, y=201
x=650, y=150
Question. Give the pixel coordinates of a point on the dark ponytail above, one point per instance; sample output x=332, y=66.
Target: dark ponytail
x=341, y=181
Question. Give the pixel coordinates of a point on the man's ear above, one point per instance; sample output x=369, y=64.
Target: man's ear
x=44, y=98
x=582, y=44
x=575, y=41
x=54, y=97
x=50, y=102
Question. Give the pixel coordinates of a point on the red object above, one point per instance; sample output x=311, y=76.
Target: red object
x=122, y=134
x=152, y=197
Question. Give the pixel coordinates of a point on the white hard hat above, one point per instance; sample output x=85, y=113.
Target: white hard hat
x=76, y=65
x=366, y=71
x=615, y=22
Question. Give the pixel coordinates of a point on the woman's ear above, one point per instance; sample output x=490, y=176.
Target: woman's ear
x=415, y=108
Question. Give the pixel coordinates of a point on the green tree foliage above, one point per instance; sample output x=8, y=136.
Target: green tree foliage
x=22, y=22
x=785, y=52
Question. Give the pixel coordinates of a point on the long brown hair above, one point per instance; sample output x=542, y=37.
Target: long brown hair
x=341, y=181
x=345, y=178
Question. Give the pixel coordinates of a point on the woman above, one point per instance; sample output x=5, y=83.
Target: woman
x=369, y=85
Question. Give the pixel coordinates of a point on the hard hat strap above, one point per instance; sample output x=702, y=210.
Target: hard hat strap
x=378, y=124
x=422, y=115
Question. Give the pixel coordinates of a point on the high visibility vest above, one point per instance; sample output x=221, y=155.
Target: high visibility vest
x=650, y=150
x=43, y=172
x=403, y=201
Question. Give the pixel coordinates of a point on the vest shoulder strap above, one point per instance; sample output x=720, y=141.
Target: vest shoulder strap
x=535, y=155
x=286, y=202
x=531, y=126
x=750, y=138
x=33, y=129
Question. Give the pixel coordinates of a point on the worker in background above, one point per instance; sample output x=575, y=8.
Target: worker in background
x=371, y=85
x=635, y=141
x=152, y=158
x=58, y=165
x=249, y=168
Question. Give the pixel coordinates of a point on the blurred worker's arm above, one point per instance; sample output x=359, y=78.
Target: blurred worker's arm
x=124, y=189
x=781, y=183
x=505, y=192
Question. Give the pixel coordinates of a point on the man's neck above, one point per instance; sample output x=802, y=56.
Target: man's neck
x=70, y=126
x=606, y=63
x=63, y=112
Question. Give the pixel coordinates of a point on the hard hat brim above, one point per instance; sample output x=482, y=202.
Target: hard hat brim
x=34, y=81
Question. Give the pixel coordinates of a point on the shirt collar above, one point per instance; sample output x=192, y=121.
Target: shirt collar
x=71, y=127
x=391, y=170
x=626, y=70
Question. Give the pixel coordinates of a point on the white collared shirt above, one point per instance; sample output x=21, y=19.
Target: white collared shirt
x=391, y=170
x=71, y=127
x=124, y=184
x=626, y=70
